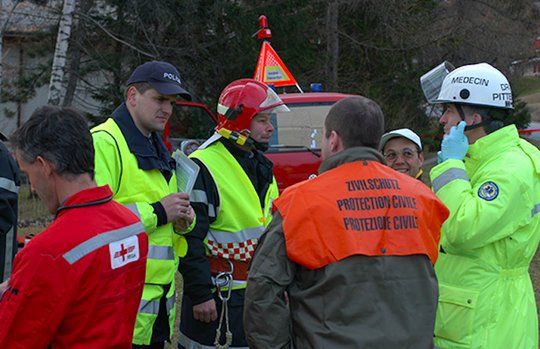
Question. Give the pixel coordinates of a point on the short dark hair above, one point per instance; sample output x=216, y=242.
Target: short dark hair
x=492, y=118
x=358, y=120
x=142, y=87
x=59, y=135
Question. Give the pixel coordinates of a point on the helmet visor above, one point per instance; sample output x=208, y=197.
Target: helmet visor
x=278, y=109
x=431, y=82
x=272, y=101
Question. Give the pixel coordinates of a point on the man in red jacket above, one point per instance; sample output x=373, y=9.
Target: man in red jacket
x=78, y=283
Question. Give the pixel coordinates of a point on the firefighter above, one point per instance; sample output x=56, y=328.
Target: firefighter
x=232, y=199
x=10, y=181
x=490, y=180
x=132, y=158
x=402, y=150
x=354, y=249
x=78, y=283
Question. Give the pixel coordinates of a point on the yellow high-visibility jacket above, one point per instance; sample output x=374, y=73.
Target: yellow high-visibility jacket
x=486, y=297
x=117, y=166
x=240, y=220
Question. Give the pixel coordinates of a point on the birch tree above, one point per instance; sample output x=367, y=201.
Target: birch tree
x=60, y=53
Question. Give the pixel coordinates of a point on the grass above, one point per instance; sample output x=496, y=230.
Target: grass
x=33, y=215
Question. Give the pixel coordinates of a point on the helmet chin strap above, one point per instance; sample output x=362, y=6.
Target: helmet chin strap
x=462, y=115
x=260, y=146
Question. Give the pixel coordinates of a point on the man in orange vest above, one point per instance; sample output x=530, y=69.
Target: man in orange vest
x=353, y=248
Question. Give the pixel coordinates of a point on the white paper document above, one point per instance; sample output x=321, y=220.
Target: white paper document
x=186, y=172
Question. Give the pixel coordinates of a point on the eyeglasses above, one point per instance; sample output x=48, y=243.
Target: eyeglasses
x=406, y=154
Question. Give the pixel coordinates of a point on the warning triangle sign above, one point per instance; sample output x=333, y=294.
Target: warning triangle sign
x=271, y=69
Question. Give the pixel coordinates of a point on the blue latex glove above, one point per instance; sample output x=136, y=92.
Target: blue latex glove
x=455, y=145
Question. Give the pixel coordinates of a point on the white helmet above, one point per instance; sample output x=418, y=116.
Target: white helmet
x=476, y=84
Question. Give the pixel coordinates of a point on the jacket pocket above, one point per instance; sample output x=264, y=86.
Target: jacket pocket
x=455, y=314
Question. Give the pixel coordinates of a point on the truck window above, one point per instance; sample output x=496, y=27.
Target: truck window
x=189, y=122
x=301, y=127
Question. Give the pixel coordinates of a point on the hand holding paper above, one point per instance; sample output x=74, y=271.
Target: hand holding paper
x=185, y=220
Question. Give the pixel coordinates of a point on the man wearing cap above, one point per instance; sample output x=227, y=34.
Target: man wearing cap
x=132, y=158
x=9, y=193
x=402, y=150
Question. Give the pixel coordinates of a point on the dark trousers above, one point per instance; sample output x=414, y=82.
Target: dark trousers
x=205, y=333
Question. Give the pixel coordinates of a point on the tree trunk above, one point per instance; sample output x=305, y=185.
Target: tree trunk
x=332, y=45
x=60, y=52
x=75, y=56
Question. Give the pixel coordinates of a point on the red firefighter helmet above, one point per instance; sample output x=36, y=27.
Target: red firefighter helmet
x=239, y=102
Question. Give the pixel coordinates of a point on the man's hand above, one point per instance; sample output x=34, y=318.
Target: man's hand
x=205, y=312
x=177, y=207
x=455, y=145
x=183, y=223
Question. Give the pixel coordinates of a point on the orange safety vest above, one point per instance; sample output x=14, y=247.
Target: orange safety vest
x=361, y=207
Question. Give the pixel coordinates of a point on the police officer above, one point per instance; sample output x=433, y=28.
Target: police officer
x=490, y=180
x=232, y=200
x=132, y=158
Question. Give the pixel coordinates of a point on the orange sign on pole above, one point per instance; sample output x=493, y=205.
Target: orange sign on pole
x=271, y=69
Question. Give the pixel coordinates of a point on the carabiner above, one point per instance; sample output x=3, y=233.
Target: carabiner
x=224, y=279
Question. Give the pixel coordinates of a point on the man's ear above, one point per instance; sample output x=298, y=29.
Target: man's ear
x=335, y=142
x=421, y=157
x=476, y=119
x=46, y=166
x=131, y=95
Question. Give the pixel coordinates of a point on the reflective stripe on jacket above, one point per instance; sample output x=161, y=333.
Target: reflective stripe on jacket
x=117, y=166
x=10, y=181
x=77, y=284
x=486, y=296
x=240, y=218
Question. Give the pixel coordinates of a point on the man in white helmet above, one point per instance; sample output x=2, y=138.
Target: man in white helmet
x=489, y=178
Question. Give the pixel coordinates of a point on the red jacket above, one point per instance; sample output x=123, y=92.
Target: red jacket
x=78, y=283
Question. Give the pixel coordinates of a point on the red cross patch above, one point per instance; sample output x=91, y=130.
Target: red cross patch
x=124, y=251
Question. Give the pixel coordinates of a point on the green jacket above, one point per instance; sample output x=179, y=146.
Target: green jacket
x=486, y=295
x=117, y=166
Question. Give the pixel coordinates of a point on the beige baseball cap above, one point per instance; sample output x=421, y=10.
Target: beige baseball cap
x=403, y=133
